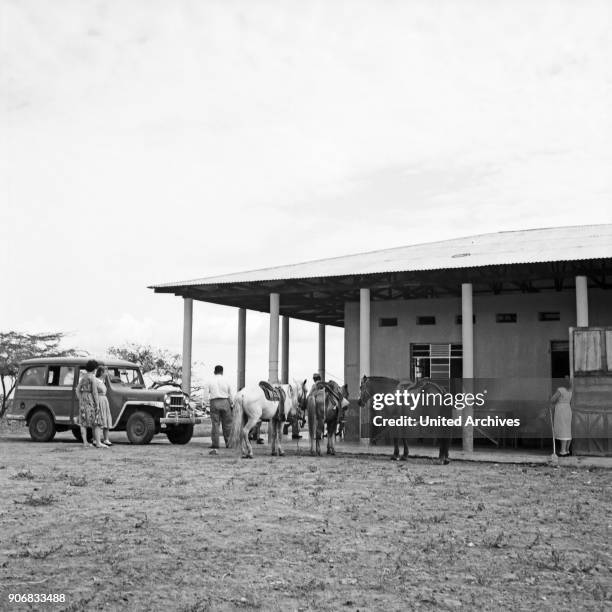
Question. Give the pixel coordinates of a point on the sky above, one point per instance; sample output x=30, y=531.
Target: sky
x=152, y=141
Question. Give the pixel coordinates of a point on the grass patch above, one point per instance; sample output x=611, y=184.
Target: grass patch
x=77, y=481
x=41, y=553
x=25, y=474
x=36, y=500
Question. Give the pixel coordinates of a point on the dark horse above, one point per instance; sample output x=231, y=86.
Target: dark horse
x=372, y=385
x=325, y=407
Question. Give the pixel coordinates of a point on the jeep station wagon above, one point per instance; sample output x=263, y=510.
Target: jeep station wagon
x=45, y=399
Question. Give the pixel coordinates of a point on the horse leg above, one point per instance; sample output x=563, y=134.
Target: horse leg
x=281, y=452
x=244, y=436
x=320, y=426
x=404, y=457
x=272, y=429
x=279, y=437
x=444, y=448
x=311, y=432
x=395, y=456
x=331, y=436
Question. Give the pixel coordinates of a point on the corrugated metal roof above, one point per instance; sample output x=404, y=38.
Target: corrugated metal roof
x=516, y=247
x=73, y=361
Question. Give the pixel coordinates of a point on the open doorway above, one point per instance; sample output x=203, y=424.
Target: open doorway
x=559, y=359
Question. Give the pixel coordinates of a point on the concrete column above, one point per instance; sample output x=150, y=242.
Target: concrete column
x=582, y=302
x=467, y=340
x=364, y=332
x=241, y=348
x=187, y=341
x=285, y=351
x=321, y=368
x=273, y=351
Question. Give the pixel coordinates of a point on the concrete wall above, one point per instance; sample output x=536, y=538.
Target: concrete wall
x=508, y=350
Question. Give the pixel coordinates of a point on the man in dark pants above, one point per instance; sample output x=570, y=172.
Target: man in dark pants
x=221, y=398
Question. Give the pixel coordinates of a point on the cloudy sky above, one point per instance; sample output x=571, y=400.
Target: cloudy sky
x=148, y=141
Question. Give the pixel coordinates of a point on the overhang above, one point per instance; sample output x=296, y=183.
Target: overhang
x=526, y=261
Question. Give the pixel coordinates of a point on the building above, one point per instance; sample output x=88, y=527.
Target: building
x=493, y=306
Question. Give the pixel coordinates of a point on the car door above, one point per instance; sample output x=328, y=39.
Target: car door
x=60, y=385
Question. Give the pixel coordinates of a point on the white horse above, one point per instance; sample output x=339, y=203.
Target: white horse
x=251, y=407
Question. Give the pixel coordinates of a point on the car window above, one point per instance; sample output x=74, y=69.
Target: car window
x=60, y=376
x=66, y=376
x=125, y=376
x=34, y=376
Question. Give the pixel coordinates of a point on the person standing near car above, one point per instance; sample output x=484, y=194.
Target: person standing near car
x=221, y=398
x=89, y=409
x=106, y=420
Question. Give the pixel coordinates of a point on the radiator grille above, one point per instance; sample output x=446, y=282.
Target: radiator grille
x=176, y=401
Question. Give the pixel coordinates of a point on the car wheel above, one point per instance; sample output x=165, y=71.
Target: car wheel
x=42, y=426
x=180, y=434
x=140, y=428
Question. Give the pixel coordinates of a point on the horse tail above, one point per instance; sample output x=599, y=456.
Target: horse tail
x=237, y=420
x=311, y=412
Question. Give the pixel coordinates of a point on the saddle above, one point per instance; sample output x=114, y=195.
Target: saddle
x=274, y=394
x=329, y=390
x=337, y=397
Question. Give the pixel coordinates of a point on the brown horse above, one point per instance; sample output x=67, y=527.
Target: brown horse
x=325, y=406
x=373, y=385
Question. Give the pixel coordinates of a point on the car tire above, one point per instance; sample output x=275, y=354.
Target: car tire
x=140, y=428
x=179, y=434
x=42, y=426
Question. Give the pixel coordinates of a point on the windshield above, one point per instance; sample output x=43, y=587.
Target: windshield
x=130, y=377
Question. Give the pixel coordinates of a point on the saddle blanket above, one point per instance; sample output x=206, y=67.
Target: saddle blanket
x=274, y=394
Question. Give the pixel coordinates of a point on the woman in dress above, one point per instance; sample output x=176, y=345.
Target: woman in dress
x=561, y=401
x=89, y=412
x=105, y=415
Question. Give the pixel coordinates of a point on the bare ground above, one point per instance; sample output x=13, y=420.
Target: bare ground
x=164, y=527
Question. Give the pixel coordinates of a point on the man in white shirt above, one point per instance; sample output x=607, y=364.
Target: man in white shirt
x=221, y=398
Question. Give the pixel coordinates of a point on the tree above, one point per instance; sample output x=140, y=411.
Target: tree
x=159, y=363
x=17, y=346
x=162, y=366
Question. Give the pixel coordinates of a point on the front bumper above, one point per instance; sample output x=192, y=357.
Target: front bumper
x=180, y=418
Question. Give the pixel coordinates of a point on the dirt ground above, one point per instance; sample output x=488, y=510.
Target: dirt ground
x=164, y=527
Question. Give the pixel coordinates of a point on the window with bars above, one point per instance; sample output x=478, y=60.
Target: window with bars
x=436, y=361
